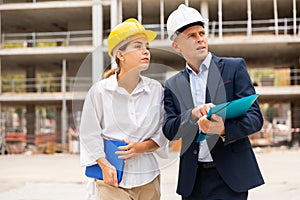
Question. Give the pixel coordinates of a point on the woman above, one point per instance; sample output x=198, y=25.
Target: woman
x=126, y=106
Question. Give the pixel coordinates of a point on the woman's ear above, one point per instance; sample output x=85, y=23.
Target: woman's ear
x=119, y=55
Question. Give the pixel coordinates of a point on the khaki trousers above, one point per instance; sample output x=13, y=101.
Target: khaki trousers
x=150, y=191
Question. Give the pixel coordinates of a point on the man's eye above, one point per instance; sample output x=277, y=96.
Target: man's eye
x=191, y=36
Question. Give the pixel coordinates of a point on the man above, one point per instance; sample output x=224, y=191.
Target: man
x=222, y=166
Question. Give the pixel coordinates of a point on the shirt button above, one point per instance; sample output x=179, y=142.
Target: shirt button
x=195, y=152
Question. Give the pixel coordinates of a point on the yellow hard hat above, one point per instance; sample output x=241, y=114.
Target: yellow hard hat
x=124, y=30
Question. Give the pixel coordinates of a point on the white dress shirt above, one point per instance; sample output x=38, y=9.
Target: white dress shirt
x=110, y=112
x=198, y=90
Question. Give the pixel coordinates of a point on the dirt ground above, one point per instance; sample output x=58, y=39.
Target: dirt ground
x=59, y=176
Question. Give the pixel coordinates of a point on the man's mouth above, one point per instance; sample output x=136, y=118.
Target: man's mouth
x=200, y=48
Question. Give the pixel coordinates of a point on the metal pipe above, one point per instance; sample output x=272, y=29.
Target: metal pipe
x=139, y=11
x=294, y=17
x=186, y=2
x=275, y=16
x=120, y=10
x=64, y=106
x=220, y=18
x=162, y=22
x=249, y=22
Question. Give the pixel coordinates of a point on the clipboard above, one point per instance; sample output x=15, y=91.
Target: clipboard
x=230, y=110
x=110, y=148
x=233, y=109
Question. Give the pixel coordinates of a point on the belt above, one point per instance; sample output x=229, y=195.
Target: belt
x=206, y=165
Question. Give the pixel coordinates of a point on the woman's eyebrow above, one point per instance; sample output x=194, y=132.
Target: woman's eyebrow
x=138, y=42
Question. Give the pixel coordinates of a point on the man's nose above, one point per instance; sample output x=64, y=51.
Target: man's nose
x=200, y=37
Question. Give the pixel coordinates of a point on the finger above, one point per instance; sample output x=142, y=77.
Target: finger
x=217, y=118
x=204, y=123
x=122, y=152
x=125, y=156
x=124, y=148
x=208, y=106
x=115, y=179
x=203, y=110
x=211, y=105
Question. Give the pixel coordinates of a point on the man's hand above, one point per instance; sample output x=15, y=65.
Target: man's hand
x=200, y=111
x=213, y=126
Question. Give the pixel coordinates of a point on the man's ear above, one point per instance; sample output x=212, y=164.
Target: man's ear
x=175, y=46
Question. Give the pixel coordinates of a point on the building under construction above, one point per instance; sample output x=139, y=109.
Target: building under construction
x=53, y=51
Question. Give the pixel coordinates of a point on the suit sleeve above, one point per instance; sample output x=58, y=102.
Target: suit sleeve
x=251, y=122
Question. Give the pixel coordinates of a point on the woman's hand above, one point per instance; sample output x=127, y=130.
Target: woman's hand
x=133, y=149
x=130, y=151
x=109, y=172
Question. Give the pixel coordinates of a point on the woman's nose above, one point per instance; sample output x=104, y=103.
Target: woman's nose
x=146, y=50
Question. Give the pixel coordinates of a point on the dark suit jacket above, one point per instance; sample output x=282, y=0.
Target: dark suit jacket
x=235, y=161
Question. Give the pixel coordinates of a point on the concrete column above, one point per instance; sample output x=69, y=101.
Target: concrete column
x=30, y=123
x=186, y=2
x=30, y=75
x=0, y=77
x=220, y=19
x=64, y=120
x=140, y=14
x=97, y=65
x=120, y=11
x=2, y=42
x=249, y=22
x=294, y=18
x=97, y=13
x=113, y=22
x=205, y=13
x=295, y=122
x=2, y=131
x=58, y=118
x=275, y=16
x=97, y=60
x=113, y=13
x=162, y=21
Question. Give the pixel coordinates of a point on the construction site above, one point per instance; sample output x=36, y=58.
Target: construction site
x=53, y=51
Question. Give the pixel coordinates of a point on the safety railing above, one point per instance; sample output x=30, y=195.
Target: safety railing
x=46, y=39
x=84, y=37
x=284, y=26
x=287, y=77
x=33, y=1
x=275, y=77
x=45, y=84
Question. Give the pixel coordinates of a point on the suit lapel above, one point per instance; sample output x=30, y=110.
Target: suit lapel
x=215, y=91
x=183, y=85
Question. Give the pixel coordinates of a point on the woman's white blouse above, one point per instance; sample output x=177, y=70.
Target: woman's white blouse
x=110, y=112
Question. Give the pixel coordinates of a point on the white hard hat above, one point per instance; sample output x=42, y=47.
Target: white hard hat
x=181, y=17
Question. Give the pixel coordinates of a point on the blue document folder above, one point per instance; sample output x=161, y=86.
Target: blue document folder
x=230, y=110
x=110, y=148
